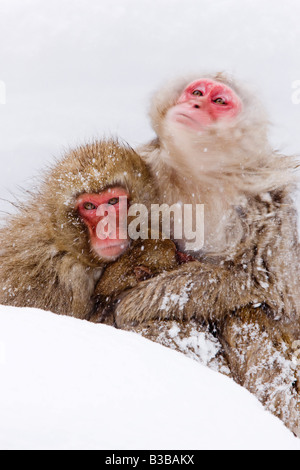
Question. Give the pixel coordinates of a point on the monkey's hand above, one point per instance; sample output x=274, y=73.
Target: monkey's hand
x=183, y=258
x=191, y=290
x=145, y=259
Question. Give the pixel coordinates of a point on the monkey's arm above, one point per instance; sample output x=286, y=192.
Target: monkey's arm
x=77, y=284
x=194, y=290
x=263, y=269
x=202, y=291
x=144, y=260
x=35, y=273
x=56, y=283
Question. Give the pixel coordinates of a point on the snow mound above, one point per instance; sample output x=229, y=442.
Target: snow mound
x=70, y=384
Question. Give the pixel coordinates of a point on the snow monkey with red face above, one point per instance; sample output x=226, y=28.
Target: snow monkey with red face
x=52, y=250
x=212, y=148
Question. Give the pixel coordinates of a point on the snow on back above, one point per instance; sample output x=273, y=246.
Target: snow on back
x=70, y=384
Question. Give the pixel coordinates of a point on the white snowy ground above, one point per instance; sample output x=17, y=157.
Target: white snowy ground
x=77, y=69
x=70, y=384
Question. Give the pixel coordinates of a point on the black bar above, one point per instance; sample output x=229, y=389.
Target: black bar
x=141, y=459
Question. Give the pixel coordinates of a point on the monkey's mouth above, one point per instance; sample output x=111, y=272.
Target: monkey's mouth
x=188, y=122
x=112, y=250
x=196, y=119
x=182, y=117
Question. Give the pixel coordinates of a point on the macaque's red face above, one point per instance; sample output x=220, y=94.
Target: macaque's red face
x=105, y=216
x=205, y=102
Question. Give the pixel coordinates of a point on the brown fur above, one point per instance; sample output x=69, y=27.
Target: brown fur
x=247, y=274
x=192, y=338
x=143, y=260
x=46, y=260
x=255, y=274
x=260, y=356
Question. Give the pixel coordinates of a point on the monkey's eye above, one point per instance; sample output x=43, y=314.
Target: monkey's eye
x=220, y=101
x=113, y=201
x=197, y=93
x=89, y=206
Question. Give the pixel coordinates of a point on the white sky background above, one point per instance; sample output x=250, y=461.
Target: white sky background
x=78, y=69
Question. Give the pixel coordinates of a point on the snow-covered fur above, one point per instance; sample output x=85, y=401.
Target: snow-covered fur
x=46, y=260
x=246, y=280
x=251, y=251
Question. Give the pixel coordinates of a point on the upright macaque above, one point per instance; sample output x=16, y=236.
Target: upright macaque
x=212, y=148
x=54, y=249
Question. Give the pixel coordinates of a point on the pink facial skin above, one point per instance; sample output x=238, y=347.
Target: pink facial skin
x=88, y=206
x=205, y=102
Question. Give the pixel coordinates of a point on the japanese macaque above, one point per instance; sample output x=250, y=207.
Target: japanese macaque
x=54, y=249
x=212, y=148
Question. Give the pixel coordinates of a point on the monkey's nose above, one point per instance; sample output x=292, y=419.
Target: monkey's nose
x=197, y=104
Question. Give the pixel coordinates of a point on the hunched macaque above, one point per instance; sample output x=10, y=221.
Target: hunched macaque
x=52, y=252
x=54, y=249
x=212, y=148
